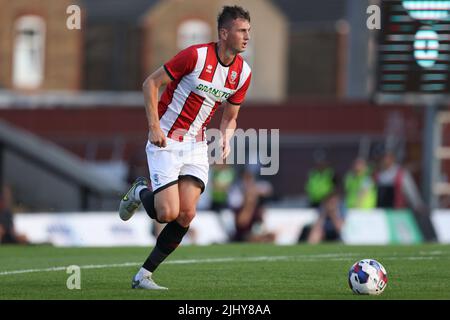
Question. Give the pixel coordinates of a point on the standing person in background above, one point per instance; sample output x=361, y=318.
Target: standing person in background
x=360, y=189
x=322, y=181
x=199, y=79
x=222, y=179
x=396, y=188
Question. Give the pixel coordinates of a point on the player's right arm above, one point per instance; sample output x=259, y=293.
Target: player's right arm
x=151, y=93
x=180, y=65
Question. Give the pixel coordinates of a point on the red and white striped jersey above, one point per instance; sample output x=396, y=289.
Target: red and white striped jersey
x=200, y=84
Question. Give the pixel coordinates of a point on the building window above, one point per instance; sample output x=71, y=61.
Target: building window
x=192, y=32
x=29, y=51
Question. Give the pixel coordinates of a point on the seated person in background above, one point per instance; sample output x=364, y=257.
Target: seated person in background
x=329, y=224
x=8, y=234
x=245, y=200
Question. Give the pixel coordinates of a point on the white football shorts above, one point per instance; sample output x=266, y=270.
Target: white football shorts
x=176, y=161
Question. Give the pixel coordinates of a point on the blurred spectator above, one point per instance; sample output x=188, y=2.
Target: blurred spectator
x=8, y=234
x=329, y=224
x=360, y=189
x=222, y=179
x=246, y=200
x=322, y=180
x=395, y=186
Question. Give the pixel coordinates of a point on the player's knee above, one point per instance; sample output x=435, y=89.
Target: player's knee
x=187, y=215
x=167, y=213
x=168, y=216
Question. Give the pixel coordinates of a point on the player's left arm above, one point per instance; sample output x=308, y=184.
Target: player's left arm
x=229, y=117
x=228, y=126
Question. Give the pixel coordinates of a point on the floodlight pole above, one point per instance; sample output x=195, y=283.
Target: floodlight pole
x=430, y=163
x=2, y=177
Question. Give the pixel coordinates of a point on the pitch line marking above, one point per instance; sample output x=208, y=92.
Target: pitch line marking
x=186, y=261
x=309, y=258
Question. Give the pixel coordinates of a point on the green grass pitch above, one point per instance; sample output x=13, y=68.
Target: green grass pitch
x=231, y=272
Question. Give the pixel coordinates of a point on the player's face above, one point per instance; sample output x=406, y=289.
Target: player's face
x=238, y=35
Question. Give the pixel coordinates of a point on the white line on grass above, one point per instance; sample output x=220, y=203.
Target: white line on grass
x=132, y=264
x=187, y=261
x=311, y=257
x=90, y=266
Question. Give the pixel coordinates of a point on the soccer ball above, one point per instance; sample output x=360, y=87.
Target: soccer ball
x=367, y=276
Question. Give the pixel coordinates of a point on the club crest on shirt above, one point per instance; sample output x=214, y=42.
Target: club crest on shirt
x=156, y=179
x=233, y=77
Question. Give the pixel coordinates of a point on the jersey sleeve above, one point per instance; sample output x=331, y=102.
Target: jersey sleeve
x=183, y=63
x=239, y=96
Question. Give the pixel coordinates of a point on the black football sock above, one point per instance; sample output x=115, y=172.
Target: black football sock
x=148, y=201
x=168, y=240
